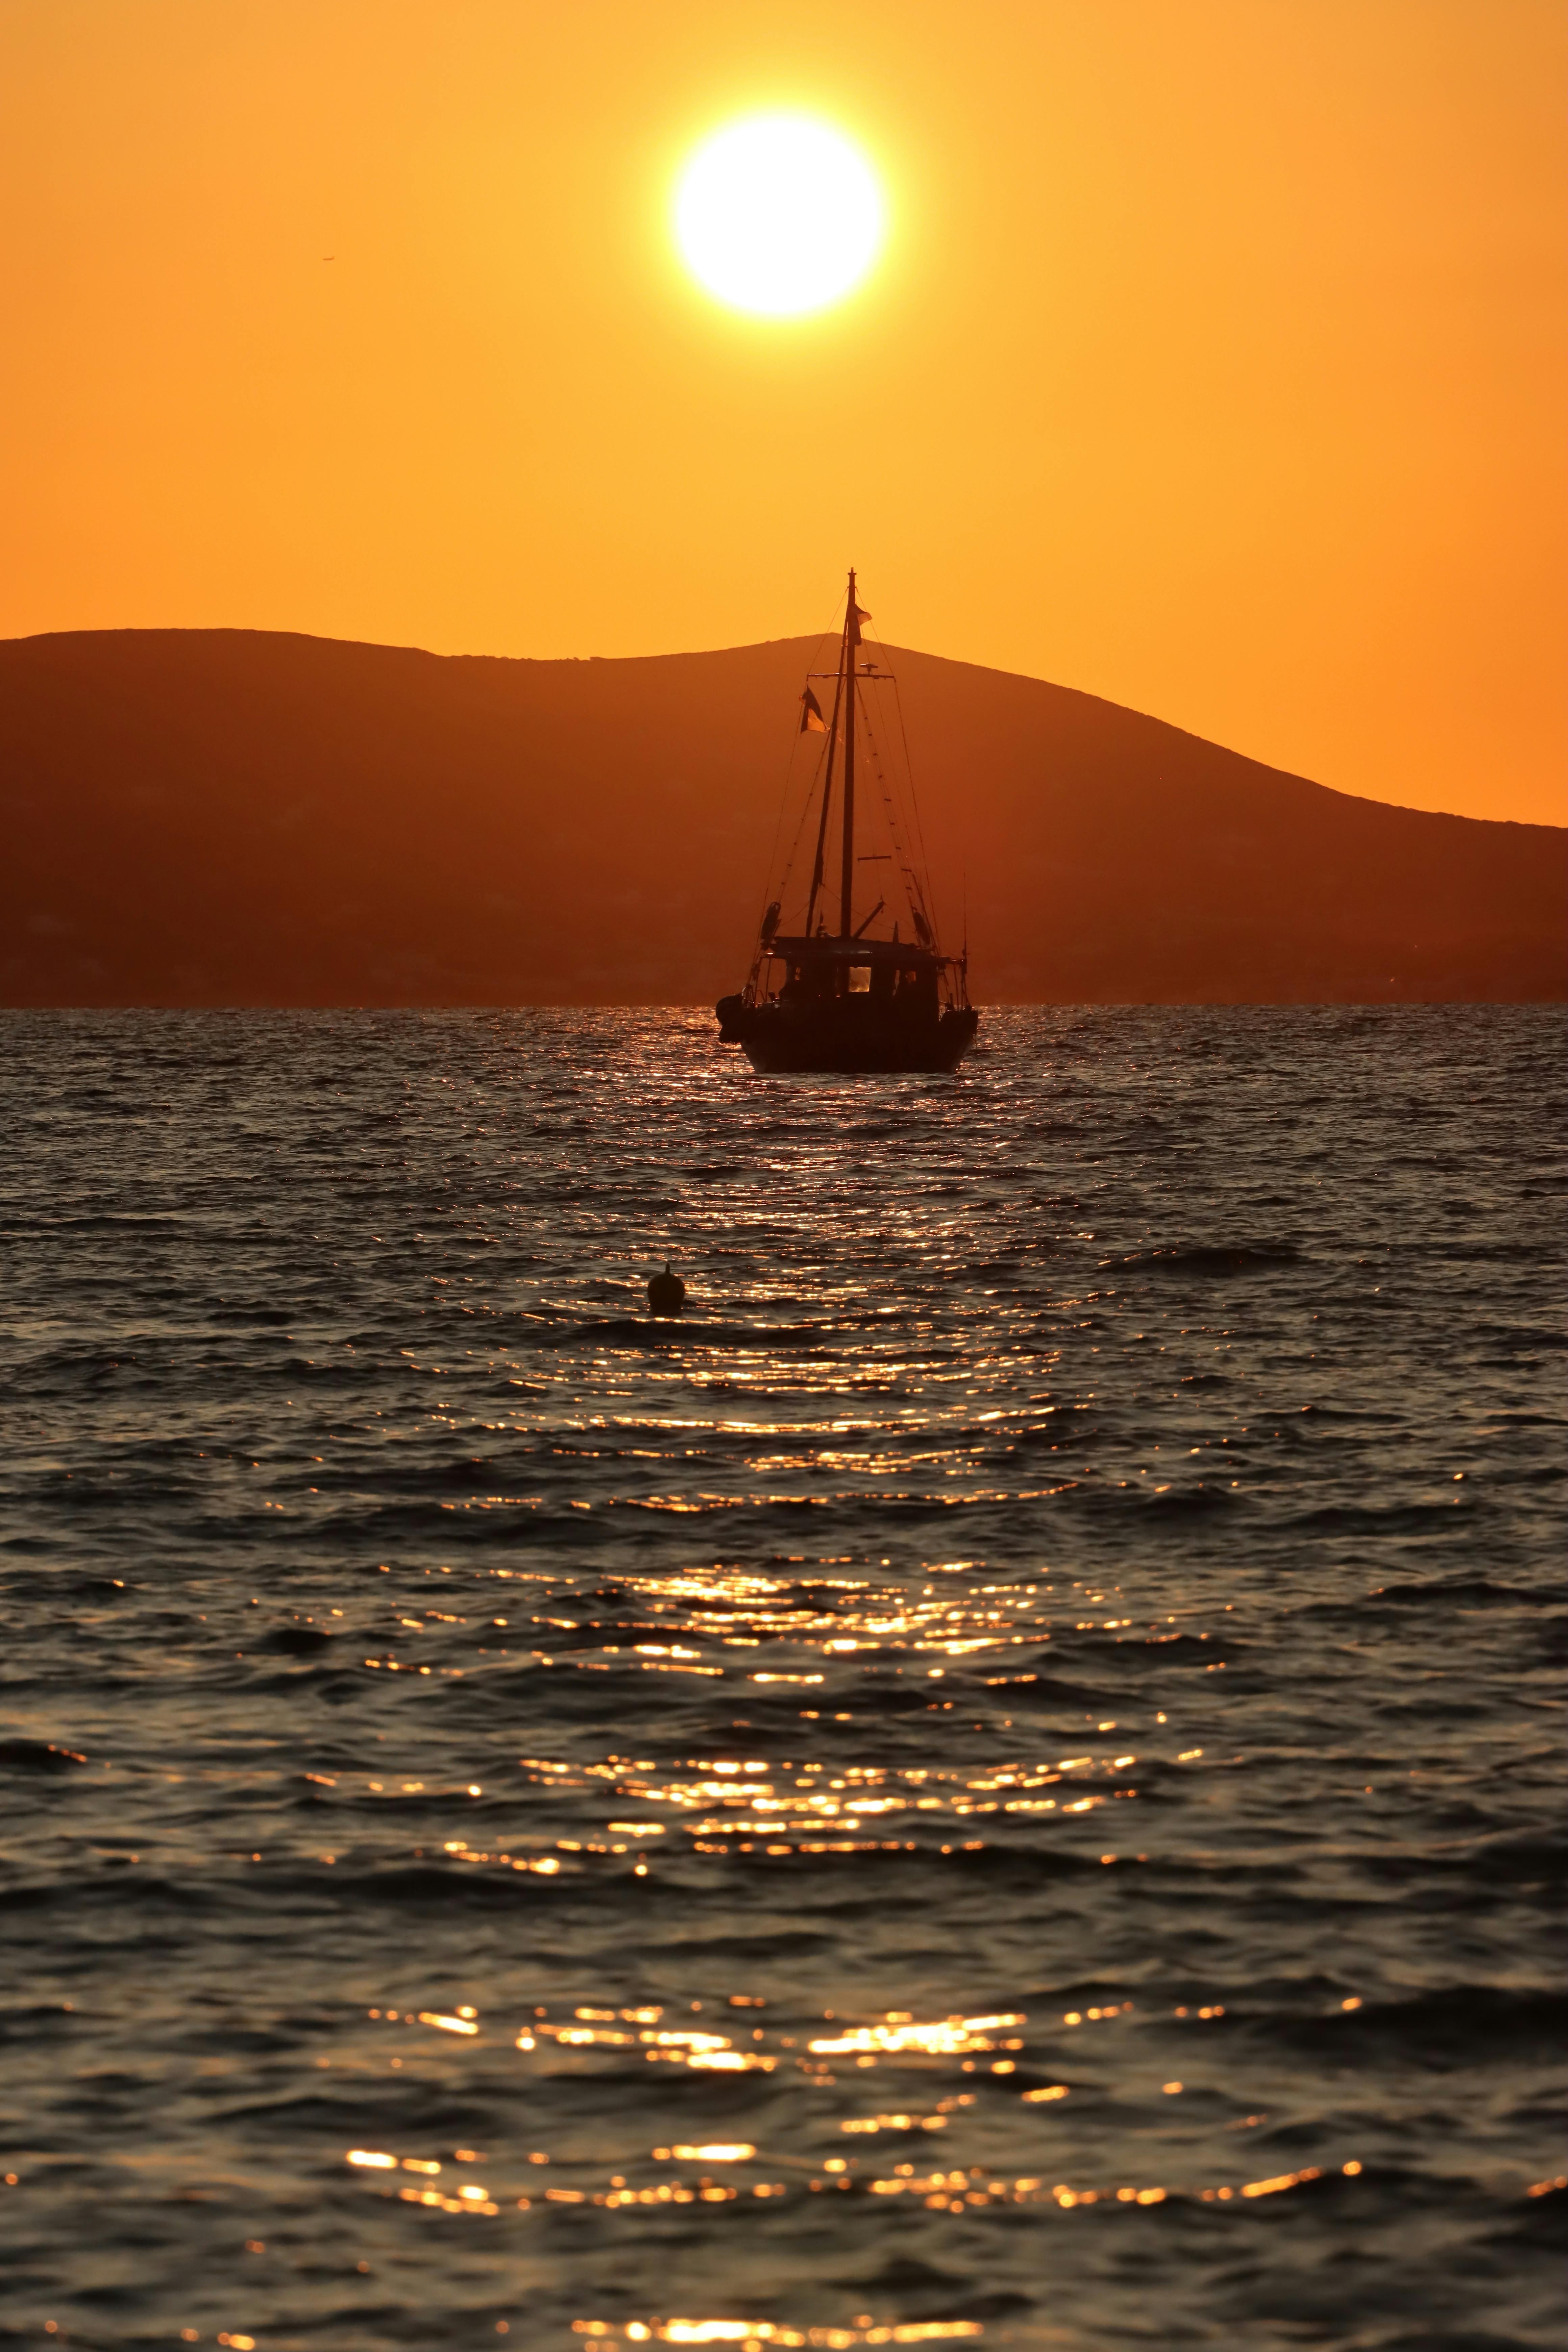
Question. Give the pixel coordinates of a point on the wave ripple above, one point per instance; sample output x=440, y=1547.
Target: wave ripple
x=996, y=1783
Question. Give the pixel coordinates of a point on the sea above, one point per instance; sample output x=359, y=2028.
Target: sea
x=999, y=1781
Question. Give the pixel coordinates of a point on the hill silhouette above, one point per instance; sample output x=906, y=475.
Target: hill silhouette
x=220, y=817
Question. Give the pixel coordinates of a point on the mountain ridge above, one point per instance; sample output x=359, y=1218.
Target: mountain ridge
x=761, y=644
x=250, y=816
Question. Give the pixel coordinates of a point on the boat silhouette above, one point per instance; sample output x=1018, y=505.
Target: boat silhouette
x=854, y=999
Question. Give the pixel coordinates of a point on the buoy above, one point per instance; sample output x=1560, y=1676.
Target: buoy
x=667, y=1292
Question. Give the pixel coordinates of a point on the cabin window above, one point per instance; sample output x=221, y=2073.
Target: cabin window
x=860, y=979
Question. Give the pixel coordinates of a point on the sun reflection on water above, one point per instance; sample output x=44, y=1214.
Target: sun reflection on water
x=935, y=1730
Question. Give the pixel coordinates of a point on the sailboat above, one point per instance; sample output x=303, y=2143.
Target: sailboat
x=860, y=997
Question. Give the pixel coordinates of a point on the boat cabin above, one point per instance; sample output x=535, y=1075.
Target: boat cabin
x=820, y=971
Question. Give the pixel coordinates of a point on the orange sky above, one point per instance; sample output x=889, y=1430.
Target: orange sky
x=1216, y=362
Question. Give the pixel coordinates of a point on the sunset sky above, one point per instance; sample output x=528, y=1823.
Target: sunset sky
x=1215, y=360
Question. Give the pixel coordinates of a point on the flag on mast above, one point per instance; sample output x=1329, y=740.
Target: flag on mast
x=812, y=721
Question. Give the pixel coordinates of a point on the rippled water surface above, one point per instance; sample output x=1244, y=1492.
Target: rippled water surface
x=997, y=1784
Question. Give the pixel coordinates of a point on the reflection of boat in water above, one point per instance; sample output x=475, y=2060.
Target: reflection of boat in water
x=854, y=999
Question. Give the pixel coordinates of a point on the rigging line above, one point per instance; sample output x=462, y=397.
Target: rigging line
x=894, y=819
x=916, y=885
x=783, y=795
x=898, y=824
x=818, y=869
x=914, y=798
x=800, y=828
x=890, y=678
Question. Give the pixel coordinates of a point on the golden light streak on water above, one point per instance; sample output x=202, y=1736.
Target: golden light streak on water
x=803, y=1806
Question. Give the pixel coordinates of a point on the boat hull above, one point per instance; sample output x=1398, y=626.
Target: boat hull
x=780, y=1039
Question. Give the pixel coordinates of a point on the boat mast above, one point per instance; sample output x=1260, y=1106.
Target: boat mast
x=817, y=869
x=851, y=643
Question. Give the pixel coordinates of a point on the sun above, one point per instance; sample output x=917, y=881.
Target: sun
x=778, y=214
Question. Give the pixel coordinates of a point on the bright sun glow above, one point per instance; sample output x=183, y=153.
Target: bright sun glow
x=778, y=214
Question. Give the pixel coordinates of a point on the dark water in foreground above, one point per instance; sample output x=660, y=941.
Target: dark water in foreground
x=1019, y=1807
